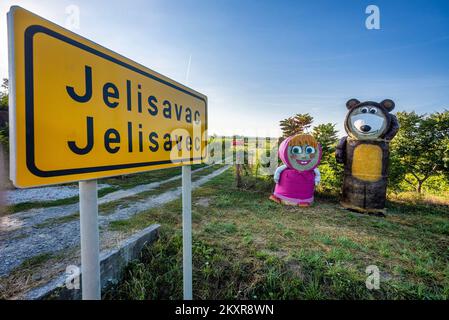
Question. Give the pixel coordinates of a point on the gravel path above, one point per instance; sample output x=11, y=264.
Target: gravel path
x=43, y=194
x=20, y=239
x=32, y=217
x=52, y=193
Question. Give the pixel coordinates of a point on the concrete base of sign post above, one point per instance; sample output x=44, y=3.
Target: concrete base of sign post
x=112, y=264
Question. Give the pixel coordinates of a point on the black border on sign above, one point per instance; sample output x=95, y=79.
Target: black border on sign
x=29, y=105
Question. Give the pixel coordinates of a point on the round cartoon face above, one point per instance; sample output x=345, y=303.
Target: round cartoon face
x=303, y=157
x=367, y=122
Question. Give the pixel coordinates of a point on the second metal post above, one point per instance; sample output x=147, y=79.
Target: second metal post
x=187, y=230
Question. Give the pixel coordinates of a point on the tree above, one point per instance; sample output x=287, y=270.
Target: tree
x=326, y=135
x=296, y=124
x=331, y=172
x=4, y=128
x=4, y=95
x=421, y=148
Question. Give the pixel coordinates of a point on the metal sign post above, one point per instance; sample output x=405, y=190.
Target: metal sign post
x=187, y=230
x=90, y=242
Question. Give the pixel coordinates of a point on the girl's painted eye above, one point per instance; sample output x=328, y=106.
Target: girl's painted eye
x=373, y=110
x=296, y=150
x=310, y=150
x=364, y=110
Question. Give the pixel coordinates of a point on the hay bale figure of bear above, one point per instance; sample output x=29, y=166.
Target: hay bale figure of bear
x=365, y=153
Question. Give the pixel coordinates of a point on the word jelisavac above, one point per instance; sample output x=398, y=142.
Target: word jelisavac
x=148, y=104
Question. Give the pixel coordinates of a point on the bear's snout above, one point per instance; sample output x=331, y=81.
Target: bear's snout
x=367, y=124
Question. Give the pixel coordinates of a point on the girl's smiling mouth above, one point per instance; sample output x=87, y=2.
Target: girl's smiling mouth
x=303, y=162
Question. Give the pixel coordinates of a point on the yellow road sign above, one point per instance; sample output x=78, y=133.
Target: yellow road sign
x=80, y=111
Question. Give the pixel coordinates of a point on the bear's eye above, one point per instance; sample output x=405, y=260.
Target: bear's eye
x=373, y=110
x=296, y=150
x=364, y=110
x=310, y=150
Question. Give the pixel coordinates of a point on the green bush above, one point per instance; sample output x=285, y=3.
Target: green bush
x=330, y=180
x=4, y=135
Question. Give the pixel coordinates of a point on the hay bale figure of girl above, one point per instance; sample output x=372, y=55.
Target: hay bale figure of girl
x=297, y=177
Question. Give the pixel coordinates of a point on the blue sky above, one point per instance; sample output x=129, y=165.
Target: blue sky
x=261, y=61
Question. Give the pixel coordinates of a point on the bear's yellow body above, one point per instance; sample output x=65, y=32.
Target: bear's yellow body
x=367, y=162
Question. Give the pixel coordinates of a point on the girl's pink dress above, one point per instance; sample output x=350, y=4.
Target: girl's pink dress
x=295, y=186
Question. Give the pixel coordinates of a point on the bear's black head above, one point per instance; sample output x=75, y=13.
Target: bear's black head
x=368, y=120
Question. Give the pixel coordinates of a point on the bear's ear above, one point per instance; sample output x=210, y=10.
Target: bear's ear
x=352, y=103
x=388, y=104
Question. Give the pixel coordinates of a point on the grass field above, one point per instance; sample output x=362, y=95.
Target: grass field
x=247, y=247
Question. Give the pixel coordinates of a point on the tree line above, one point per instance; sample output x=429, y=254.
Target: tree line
x=419, y=152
